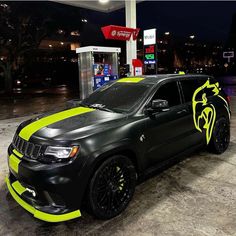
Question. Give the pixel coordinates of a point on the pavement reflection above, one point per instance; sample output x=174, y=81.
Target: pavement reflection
x=34, y=101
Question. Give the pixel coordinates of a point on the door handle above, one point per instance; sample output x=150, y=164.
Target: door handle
x=182, y=111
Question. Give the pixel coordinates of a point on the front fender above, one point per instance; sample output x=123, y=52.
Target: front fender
x=94, y=160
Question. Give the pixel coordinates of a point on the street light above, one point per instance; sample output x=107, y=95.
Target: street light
x=167, y=33
x=192, y=36
x=84, y=20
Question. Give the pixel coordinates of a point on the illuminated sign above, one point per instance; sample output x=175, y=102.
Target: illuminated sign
x=149, y=37
x=149, y=54
x=150, y=49
x=119, y=32
x=149, y=62
x=229, y=55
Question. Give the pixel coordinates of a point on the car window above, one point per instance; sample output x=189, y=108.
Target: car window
x=119, y=97
x=188, y=88
x=169, y=92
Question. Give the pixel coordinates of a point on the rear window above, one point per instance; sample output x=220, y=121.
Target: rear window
x=189, y=87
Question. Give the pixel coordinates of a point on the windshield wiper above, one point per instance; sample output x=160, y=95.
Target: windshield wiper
x=98, y=107
x=102, y=108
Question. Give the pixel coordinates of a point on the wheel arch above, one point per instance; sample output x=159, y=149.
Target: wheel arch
x=104, y=156
x=124, y=152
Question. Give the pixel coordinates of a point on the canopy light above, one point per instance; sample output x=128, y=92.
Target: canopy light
x=103, y=1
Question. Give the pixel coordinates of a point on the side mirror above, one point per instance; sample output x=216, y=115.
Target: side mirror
x=159, y=104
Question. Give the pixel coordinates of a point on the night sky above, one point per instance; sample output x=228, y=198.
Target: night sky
x=209, y=21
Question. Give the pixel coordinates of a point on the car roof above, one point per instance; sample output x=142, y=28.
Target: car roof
x=153, y=79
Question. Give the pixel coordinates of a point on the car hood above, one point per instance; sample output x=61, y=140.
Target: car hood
x=69, y=127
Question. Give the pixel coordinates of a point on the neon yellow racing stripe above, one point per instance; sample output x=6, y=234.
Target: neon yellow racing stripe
x=30, y=129
x=25, y=205
x=56, y=218
x=130, y=80
x=17, y=153
x=14, y=163
x=39, y=214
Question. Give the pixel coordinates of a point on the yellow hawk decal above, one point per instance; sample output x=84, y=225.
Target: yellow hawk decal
x=204, y=113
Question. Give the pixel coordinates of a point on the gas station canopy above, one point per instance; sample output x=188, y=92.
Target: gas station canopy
x=108, y=6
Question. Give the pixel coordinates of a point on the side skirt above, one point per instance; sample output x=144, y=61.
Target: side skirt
x=161, y=166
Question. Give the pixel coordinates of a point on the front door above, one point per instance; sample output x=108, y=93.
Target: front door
x=166, y=130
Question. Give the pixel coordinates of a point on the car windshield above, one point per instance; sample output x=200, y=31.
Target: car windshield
x=117, y=97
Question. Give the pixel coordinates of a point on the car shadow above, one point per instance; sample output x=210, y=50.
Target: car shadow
x=163, y=188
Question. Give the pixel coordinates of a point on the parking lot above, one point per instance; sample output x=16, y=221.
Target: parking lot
x=195, y=197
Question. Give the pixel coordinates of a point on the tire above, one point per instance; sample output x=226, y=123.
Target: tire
x=220, y=136
x=112, y=187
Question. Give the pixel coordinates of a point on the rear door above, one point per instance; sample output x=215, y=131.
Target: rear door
x=189, y=87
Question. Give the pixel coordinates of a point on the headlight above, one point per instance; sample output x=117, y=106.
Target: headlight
x=62, y=152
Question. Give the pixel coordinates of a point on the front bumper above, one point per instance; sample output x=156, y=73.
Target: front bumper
x=16, y=190
x=50, y=193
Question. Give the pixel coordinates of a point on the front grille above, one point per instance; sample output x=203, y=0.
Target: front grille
x=26, y=148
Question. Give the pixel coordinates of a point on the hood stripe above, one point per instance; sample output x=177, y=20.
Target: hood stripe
x=33, y=127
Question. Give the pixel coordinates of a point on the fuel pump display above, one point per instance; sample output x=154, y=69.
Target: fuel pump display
x=97, y=66
x=102, y=75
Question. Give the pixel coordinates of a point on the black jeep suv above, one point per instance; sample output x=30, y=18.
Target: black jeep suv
x=96, y=151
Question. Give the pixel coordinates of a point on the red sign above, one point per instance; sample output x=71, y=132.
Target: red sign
x=138, y=67
x=137, y=63
x=150, y=49
x=119, y=32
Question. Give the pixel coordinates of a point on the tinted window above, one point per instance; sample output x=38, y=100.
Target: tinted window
x=169, y=92
x=119, y=97
x=188, y=87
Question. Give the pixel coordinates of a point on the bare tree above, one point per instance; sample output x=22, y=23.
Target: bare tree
x=19, y=34
x=23, y=25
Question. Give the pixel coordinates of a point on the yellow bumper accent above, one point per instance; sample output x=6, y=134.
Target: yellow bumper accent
x=33, y=127
x=39, y=214
x=17, y=153
x=14, y=163
x=18, y=187
x=130, y=80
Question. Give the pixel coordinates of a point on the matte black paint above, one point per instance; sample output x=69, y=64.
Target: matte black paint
x=148, y=140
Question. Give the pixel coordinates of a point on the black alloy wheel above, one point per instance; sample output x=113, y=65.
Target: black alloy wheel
x=220, y=136
x=112, y=187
